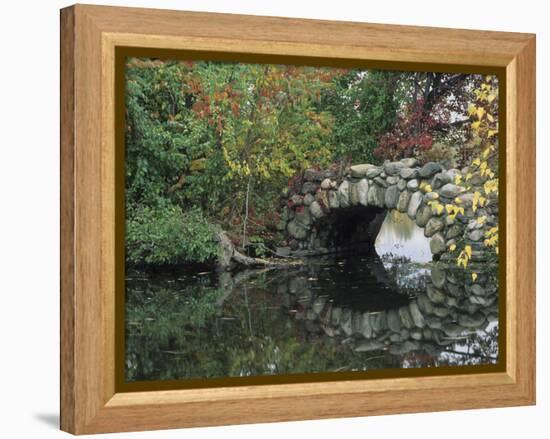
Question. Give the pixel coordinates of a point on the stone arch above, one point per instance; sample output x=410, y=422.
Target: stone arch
x=326, y=213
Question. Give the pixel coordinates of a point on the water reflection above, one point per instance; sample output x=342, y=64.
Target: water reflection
x=361, y=312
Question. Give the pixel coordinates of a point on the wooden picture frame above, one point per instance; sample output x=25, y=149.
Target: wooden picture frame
x=90, y=36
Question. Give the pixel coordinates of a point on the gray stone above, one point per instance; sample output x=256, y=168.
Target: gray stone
x=454, y=231
x=368, y=346
x=403, y=201
x=359, y=171
x=441, y=179
x=393, y=168
x=435, y=294
x=409, y=162
x=402, y=184
x=412, y=185
x=336, y=316
x=362, y=191
x=433, y=226
x=395, y=338
x=423, y=215
x=476, y=235
x=353, y=194
x=392, y=180
x=297, y=200
x=391, y=197
x=333, y=201
x=416, y=315
x=438, y=276
x=308, y=199
x=450, y=190
x=455, y=290
x=343, y=194
x=414, y=204
x=379, y=321
x=316, y=210
x=282, y=251
x=478, y=300
x=303, y=216
x=430, y=196
x=394, y=323
x=427, y=333
x=478, y=290
x=416, y=334
x=430, y=169
x=424, y=303
x=433, y=322
x=381, y=182
x=309, y=187
x=452, y=329
x=471, y=321
x=406, y=318
x=373, y=172
x=441, y=311
x=319, y=304
x=437, y=244
x=376, y=196
x=326, y=184
x=404, y=333
x=296, y=230
x=408, y=173
x=465, y=199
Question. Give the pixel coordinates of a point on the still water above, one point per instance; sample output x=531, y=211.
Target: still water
x=359, y=312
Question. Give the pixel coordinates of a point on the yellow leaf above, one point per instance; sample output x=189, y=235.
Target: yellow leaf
x=480, y=112
x=458, y=200
x=468, y=250
x=474, y=276
x=476, y=161
x=452, y=247
x=481, y=219
x=475, y=125
x=468, y=176
x=491, y=98
x=458, y=178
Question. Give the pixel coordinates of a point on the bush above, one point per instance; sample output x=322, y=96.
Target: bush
x=167, y=235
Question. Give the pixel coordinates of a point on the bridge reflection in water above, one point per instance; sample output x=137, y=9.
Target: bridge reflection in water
x=359, y=312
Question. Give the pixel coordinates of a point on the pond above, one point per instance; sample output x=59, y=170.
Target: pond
x=340, y=313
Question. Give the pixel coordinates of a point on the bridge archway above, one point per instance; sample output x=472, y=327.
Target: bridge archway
x=329, y=213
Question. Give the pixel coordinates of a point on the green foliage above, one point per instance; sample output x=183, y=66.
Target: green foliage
x=167, y=235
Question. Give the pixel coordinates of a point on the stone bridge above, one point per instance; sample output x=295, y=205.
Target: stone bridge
x=328, y=212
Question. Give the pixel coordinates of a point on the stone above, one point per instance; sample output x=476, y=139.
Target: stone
x=362, y=191
x=316, y=210
x=423, y=215
x=376, y=196
x=430, y=169
x=433, y=322
x=452, y=329
x=296, y=230
x=282, y=251
x=336, y=316
x=402, y=184
x=405, y=316
x=359, y=171
x=373, y=172
x=427, y=333
x=466, y=199
x=379, y=321
x=450, y=190
x=345, y=322
x=409, y=162
x=454, y=231
x=322, y=198
x=353, y=194
x=313, y=175
x=476, y=235
x=381, y=182
x=441, y=179
x=308, y=199
x=478, y=290
x=393, y=168
x=408, y=173
x=297, y=200
x=433, y=226
x=416, y=334
x=326, y=184
x=435, y=294
x=438, y=276
x=333, y=201
x=471, y=321
x=343, y=194
x=392, y=180
x=395, y=338
x=309, y=187
x=365, y=326
x=391, y=197
x=455, y=290
x=403, y=201
x=414, y=204
x=393, y=320
x=478, y=300
x=303, y=216
x=368, y=346
x=424, y=303
x=416, y=315
x=430, y=196
x=441, y=311
x=437, y=244
x=318, y=304
x=412, y=185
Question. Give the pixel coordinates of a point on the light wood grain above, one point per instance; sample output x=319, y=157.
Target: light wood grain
x=90, y=34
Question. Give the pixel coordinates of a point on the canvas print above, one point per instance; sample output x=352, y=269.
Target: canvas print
x=292, y=219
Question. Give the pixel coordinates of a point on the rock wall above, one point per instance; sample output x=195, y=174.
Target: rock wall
x=325, y=212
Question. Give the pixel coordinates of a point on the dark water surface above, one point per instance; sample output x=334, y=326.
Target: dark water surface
x=359, y=312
